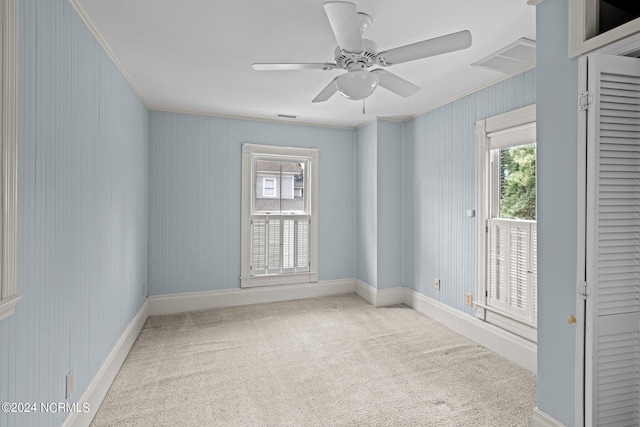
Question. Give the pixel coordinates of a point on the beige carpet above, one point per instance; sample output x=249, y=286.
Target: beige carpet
x=334, y=361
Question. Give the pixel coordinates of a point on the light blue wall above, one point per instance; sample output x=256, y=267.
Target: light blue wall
x=439, y=176
x=367, y=204
x=390, y=179
x=82, y=211
x=195, y=198
x=557, y=128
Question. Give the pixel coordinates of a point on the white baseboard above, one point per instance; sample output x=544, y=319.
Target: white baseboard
x=542, y=419
x=99, y=386
x=194, y=301
x=506, y=344
x=379, y=297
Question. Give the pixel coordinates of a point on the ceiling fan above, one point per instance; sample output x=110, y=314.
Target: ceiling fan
x=357, y=55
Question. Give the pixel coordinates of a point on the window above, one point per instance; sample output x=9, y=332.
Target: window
x=279, y=215
x=507, y=237
x=597, y=23
x=268, y=187
x=8, y=157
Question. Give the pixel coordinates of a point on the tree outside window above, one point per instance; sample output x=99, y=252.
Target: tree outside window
x=518, y=182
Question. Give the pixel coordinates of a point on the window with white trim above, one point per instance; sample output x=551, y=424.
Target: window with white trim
x=507, y=239
x=279, y=215
x=8, y=157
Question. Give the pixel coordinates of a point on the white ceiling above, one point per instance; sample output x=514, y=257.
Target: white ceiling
x=196, y=55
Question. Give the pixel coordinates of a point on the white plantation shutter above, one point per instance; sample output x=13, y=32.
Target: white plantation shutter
x=612, y=341
x=497, y=288
x=533, y=284
x=279, y=244
x=258, y=245
x=302, y=244
x=273, y=245
x=512, y=275
x=288, y=244
x=518, y=269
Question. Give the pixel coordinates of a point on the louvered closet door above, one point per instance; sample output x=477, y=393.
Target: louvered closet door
x=612, y=341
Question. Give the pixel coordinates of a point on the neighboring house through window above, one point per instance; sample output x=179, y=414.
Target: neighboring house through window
x=279, y=215
x=506, y=275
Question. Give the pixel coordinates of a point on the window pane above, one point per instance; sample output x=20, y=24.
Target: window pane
x=266, y=185
x=293, y=186
x=518, y=182
x=279, y=186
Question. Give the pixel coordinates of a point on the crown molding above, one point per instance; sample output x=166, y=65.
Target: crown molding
x=94, y=30
x=534, y=2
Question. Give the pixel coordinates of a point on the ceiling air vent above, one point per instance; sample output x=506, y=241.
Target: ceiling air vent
x=512, y=58
x=286, y=116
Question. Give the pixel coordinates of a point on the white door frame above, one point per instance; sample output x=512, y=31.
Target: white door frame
x=625, y=47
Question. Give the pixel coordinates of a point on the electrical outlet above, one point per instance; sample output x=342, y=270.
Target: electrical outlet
x=69, y=386
x=468, y=299
x=436, y=284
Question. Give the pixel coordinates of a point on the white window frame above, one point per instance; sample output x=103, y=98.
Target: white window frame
x=508, y=129
x=312, y=156
x=582, y=21
x=9, y=157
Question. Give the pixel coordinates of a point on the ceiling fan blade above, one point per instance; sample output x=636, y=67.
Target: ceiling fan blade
x=395, y=84
x=287, y=67
x=327, y=92
x=344, y=21
x=426, y=48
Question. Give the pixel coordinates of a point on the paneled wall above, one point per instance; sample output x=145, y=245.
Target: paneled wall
x=439, y=188
x=82, y=211
x=379, y=204
x=390, y=217
x=195, y=198
x=367, y=203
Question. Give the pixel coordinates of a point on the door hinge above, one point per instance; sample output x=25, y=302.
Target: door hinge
x=583, y=290
x=486, y=228
x=586, y=99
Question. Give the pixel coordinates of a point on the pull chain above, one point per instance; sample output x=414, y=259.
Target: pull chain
x=363, y=108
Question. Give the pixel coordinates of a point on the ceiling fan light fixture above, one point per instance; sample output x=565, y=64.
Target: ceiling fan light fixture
x=357, y=85
x=365, y=21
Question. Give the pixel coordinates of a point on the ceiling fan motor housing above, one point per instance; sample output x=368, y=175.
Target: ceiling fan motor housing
x=348, y=60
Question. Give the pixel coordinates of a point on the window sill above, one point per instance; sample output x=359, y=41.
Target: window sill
x=8, y=306
x=278, y=279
